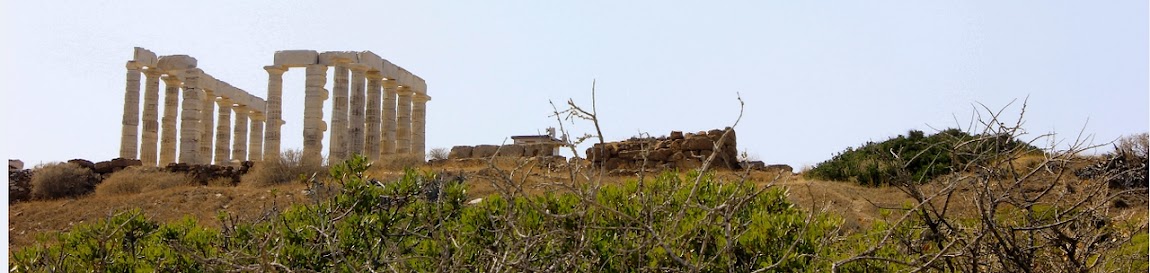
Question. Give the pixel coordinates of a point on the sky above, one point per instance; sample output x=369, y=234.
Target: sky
x=816, y=76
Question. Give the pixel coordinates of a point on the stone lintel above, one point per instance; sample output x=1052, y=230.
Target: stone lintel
x=390, y=70
x=296, y=58
x=144, y=57
x=172, y=63
x=419, y=85
x=332, y=58
x=404, y=78
x=371, y=60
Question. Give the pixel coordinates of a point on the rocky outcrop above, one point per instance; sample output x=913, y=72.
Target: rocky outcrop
x=509, y=150
x=19, y=182
x=678, y=150
x=205, y=173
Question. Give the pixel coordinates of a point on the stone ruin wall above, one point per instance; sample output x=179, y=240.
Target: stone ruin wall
x=676, y=151
x=508, y=150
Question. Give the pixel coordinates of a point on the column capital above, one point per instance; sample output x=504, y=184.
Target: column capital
x=153, y=71
x=420, y=97
x=170, y=79
x=133, y=65
x=404, y=91
x=275, y=69
x=374, y=75
x=224, y=102
x=355, y=67
x=390, y=84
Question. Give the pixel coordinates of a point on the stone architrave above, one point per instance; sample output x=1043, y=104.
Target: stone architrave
x=387, y=145
x=207, y=118
x=256, y=144
x=168, y=127
x=403, y=121
x=150, y=136
x=240, y=133
x=313, y=124
x=224, y=132
x=129, y=133
x=419, y=124
x=190, y=117
x=339, y=127
x=356, y=130
x=372, y=138
x=274, y=112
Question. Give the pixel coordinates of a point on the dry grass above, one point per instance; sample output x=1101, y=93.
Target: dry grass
x=288, y=168
x=399, y=162
x=134, y=180
x=60, y=180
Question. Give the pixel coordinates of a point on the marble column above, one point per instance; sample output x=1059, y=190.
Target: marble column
x=207, y=117
x=403, y=121
x=313, y=124
x=355, y=135
x=131, y=121
x=419, y=124
x=274, y=122
x=190, y=118
x=338, y=143
x=240, y=134
x=387, y=145
x=224, y=132
x=256, y=145
x=168, y=129
x=151, y=133
x=372, y=139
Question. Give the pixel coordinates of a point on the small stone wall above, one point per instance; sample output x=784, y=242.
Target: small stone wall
x=509, y=150
x=675, y=151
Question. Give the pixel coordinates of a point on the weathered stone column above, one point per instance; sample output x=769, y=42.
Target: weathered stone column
x=338, y=143
x=151, y=131
x=207, y=116
x=168, y=131
x=240, y=135
x=313, y=124
x=256, y=145
x=387, y=146
x=274, y=122
x=190, y=118
x=403, y=118
x=419, y=124
x=224, y=132
x=356, y=116
x=131, y=121
x=372, y=140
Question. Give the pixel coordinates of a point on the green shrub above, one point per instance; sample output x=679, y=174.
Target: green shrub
x=421, y=223
x=915, y=155
x=59, y=180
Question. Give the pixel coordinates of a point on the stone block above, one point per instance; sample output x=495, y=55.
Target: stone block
x=511, y=150
x=144, y=57
x=173, y=63
x=460, y=152
x=338, y=57
x=698, y=143
x=779, y=168
x=484, y=151
x=390, y=70
x=296, y=58
x=15, y=165
x=660, y=154
x=676, y=135
x=371, y=60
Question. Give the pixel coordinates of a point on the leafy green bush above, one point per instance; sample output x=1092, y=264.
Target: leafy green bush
x=921, y=157
x=422, y=223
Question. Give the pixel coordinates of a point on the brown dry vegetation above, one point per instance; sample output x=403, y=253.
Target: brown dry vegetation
x=135, y=180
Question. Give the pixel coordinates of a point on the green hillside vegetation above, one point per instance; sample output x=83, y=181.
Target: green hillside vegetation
x=921, y=157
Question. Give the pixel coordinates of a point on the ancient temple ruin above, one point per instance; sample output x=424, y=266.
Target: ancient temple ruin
x=378, y=110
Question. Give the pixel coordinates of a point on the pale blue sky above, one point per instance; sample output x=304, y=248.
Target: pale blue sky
x=817, y=76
